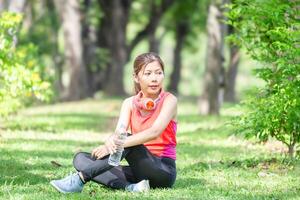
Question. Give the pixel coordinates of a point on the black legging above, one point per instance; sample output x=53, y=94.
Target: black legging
x=161, y=172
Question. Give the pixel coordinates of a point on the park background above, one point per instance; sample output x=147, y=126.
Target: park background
x=65, y=67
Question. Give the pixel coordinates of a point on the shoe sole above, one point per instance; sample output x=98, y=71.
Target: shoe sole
x=57, y=188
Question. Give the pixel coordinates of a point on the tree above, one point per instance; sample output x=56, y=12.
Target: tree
x=3, y=5
x=273, y=40
x=16, y=6
x=70, y=15
x=182, y=29
x=156, y=13
x=112, y=36
x=232, y=70
x=189, y=21
x=91, y=57
x=209, y=101
x=21, y=82
x=41, y=26
x=112, y=39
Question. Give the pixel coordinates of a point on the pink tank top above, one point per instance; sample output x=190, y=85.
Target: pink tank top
x=165, y=144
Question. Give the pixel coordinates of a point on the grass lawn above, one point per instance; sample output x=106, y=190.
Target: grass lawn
x=212, y=162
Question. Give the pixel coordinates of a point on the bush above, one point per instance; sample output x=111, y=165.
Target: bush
x=21, y=82
x=269, y=30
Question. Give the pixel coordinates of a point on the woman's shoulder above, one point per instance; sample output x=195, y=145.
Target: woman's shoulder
x=170, y=97
x=170, y=104
x=128, y=101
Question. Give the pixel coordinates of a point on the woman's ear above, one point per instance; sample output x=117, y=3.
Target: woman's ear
x=135, y=78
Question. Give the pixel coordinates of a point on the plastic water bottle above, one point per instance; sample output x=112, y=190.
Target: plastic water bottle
x=115, y=158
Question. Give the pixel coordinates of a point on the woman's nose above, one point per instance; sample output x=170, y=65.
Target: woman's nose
x=154, y=78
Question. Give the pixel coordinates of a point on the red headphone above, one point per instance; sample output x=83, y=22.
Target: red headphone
x=147, y=103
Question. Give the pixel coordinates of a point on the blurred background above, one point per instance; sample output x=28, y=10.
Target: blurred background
x=77, y=49
x=66, y=66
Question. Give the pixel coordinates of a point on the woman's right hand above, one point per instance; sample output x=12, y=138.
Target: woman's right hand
x=99, y=152
x=108, y=148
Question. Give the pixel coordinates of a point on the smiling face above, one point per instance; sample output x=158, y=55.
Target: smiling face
x=150, y=79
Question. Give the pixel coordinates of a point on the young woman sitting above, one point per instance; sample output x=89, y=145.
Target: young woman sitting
x=150, y=148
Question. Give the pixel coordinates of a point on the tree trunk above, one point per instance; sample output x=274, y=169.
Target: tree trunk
x=28, y=19
x=232, y=69
x=156, y=13
x=3, y=5
x=115, y=21
x=291, y=150
x=112, y=36
x=89, y=48
x=231, y=74
x=100, y=74
x=57, y=57
x=16, y=6
x=153, y=42
x=181, y=33
x=70, y=15
x=209, y=100
x=155, y=16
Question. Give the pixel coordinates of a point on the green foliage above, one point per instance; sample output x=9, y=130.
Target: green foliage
x=191, y=12
x=21, y=79
x=270, y=30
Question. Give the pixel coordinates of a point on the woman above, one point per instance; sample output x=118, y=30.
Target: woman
x=150, y=150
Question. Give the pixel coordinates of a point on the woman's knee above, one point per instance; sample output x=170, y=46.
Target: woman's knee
x=80, y=159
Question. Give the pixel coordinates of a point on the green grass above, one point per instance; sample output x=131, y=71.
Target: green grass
x=212, y=162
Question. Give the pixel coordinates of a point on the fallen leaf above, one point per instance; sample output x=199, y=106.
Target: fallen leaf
x=56, y=164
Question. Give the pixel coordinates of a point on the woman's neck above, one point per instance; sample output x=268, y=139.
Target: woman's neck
x=151, y=96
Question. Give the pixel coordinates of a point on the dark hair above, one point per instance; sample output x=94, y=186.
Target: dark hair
x=142, y=61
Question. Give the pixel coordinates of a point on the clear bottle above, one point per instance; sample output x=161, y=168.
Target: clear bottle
x=115, y=158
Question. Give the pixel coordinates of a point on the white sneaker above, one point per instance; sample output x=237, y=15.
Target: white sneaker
x=142, y=186
x=69, y=184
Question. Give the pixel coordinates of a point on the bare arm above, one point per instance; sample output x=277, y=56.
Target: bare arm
x=110, y=146
x=124, y=117
x=168, y=112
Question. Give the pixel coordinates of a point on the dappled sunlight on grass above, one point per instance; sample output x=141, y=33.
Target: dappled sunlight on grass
x=110, y=107
x=61, y=122
x=212, y=162
x=71, y=136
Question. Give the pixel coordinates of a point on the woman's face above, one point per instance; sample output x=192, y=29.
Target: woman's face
x=151, y=79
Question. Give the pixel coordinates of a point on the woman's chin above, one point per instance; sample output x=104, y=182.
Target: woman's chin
x=153, y=91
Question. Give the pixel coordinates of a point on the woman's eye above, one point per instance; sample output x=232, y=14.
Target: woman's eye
x=147, y=74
